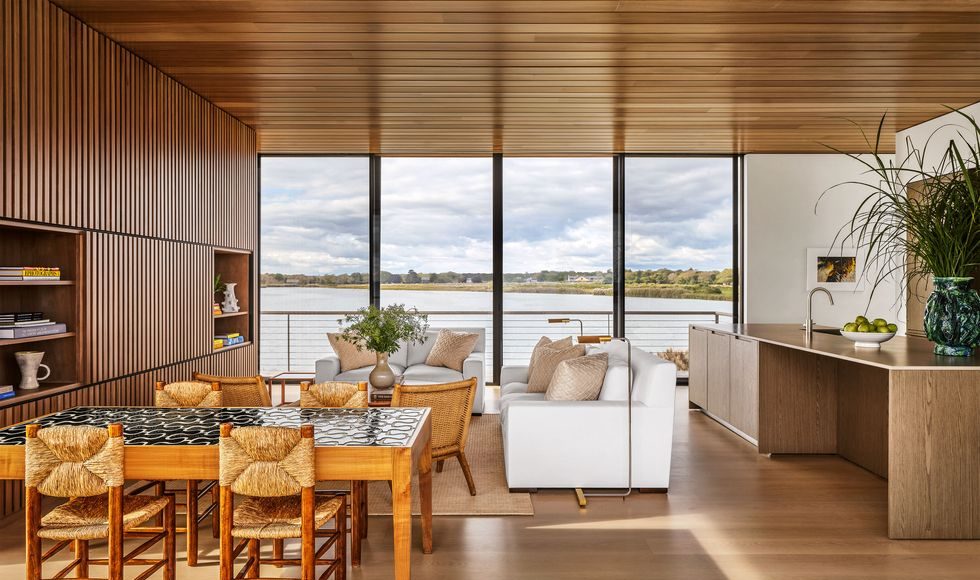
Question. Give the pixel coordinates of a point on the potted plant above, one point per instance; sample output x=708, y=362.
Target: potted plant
x=935, y=232
x=380, y=330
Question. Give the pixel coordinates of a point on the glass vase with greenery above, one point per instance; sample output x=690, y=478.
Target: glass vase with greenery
x=934, y=231
x=381, y=330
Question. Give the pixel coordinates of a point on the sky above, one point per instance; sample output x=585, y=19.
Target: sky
x=436, y=214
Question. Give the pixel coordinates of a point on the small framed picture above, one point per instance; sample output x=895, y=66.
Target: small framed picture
x=834, y=268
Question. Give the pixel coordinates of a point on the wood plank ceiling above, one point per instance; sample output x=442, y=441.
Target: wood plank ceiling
x=589, y=76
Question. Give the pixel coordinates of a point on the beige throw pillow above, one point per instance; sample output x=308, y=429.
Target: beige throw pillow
x=451, y=348
x=578, y=379
x=547, y=361
x=545, y=341
x=350, y=357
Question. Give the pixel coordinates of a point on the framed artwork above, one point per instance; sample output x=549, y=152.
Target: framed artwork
x=834, y=268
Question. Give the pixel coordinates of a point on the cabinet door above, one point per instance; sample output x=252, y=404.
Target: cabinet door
x=697, y=375
x=719, y=375
x=744, y=402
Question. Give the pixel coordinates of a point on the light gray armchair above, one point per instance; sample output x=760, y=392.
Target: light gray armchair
x=409, y=361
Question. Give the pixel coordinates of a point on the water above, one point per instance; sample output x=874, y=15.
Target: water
x=296, y=341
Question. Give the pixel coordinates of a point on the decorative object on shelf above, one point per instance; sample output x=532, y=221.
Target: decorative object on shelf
x=931, y=229
x=380, y=330
x=216, y=309
x=952, y=318
x=835, y=268
x=231, y=301
x=29, y=362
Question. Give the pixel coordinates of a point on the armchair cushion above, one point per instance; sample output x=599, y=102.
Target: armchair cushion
x=350, y=356
x=451, y=349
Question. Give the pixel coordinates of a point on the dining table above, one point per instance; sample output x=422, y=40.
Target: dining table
x=372, y=444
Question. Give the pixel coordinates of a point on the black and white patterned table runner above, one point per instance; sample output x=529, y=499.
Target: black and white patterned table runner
x=382, y=427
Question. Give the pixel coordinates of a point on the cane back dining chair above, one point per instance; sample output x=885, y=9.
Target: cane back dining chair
x=246, y=391
x=85, y=464
x=274, y=469
x=350, y=396
x=451, y=404
x=202, y=395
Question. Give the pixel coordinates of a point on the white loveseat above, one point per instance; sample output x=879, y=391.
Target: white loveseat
x=567, y=444
x=409, y=361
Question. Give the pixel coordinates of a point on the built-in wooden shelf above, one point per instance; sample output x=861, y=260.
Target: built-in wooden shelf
x=11, y=341
x=234, y=346
x=37, y=282
x=230, y=314
x=46, y=389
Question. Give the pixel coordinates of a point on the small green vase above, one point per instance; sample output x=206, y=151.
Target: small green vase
x=952, y=318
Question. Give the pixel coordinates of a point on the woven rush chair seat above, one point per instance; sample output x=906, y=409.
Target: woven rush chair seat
x=247, y=391
x=87, y=518
x=271, y=518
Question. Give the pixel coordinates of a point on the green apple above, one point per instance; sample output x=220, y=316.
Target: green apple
x=882, y=329
x=850, y=327
x=892, y=328
x=860, y=320
x=880, y=322
x=865, y=327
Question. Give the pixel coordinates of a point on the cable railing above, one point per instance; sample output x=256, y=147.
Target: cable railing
x=293, y=340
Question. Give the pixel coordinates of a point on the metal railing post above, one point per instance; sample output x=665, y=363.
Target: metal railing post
x=289, y=340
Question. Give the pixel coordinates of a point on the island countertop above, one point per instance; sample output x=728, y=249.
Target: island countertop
x=899, y=353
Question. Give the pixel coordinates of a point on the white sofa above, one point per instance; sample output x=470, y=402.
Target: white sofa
x=409, y=361
x=568, y=444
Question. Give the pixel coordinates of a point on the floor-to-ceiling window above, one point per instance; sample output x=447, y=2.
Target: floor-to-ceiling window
x=678, y=252
x=436, y=240
x=314, y=254
x=557, y=250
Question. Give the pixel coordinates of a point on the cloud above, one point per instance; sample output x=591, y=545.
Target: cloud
x=437, y=214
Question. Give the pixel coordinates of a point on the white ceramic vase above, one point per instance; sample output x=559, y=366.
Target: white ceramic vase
x=231, y=301
x=382, y=376
x=29, y=362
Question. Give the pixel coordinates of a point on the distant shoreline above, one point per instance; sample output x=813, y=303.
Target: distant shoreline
x=675, y=291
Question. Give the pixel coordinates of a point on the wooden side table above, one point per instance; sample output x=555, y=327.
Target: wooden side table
x=290, y=378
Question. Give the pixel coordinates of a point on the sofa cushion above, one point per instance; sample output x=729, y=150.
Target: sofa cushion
x=417, y=353
x=451, y=348
x=549, y=357
x=361, y=374
x=578, y=379
x=513, y=388
x=350, y=357
x=543, y=342
x=431, y=374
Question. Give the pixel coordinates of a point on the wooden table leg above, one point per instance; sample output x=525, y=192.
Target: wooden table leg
x=356, y=489
x=425, y=493
x=401, y=512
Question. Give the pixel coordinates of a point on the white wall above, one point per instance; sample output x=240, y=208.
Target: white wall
x=780, y=224
x=938, y=132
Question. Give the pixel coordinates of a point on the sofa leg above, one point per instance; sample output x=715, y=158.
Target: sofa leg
x=522, y=490
x=653, y=490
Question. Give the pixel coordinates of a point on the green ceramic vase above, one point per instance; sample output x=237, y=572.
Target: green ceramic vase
x=952, y=318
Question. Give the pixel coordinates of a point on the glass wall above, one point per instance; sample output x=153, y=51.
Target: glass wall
x=437, y=240
x=557, y=250
x=314, y=255
x=678, y=251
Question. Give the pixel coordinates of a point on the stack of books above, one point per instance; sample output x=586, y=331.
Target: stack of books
x=27, y=325
x=20, y=273
x=6, y=391
x=223, y=340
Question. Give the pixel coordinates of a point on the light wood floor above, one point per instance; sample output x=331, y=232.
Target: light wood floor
x=730, y=514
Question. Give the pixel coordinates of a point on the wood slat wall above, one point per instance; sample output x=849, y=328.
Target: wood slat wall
x=97, y=139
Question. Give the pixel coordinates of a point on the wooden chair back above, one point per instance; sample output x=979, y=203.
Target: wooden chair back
x=266, y=461
x=451, y=404
x=333, y=394
x=247, y=391
x=188, y=394
x=73, y=461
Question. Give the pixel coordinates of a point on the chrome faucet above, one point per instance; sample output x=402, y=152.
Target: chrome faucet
x=808, y=323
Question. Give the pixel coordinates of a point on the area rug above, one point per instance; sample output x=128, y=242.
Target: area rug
x=450, y=496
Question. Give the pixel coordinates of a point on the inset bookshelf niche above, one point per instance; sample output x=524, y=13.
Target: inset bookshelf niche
x=58, y=300
x=234, y=266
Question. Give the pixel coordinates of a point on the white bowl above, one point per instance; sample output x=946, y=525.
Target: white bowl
x=867, y=339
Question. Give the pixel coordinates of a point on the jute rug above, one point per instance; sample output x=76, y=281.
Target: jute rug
x=450, y=496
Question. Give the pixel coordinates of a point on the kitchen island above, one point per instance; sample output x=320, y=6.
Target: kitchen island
x=900, y=412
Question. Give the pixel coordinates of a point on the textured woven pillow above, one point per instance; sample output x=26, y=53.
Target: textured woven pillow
x=545, y=341
x=451, y=348
x=350, y=357
x=548, y=359
x=578, y=379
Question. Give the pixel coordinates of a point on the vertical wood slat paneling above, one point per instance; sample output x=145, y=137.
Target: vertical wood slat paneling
x=95, y=138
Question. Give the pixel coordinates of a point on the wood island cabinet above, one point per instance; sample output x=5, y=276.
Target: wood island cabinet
x=723, y=379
